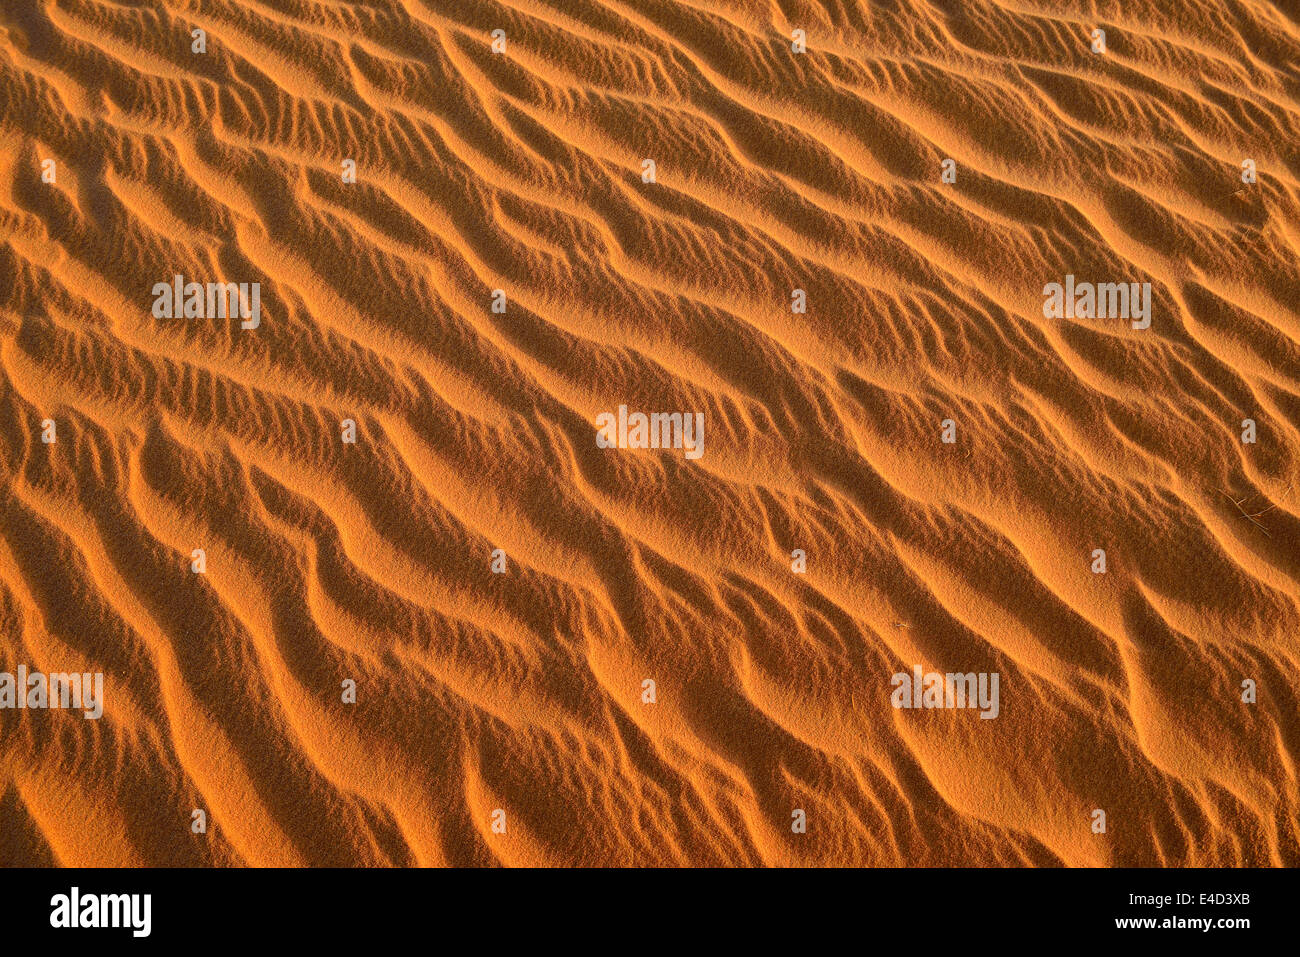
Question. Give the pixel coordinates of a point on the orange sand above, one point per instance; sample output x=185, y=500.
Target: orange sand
x=522, y=691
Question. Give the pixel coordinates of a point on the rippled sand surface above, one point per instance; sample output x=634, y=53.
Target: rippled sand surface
x=522, y=691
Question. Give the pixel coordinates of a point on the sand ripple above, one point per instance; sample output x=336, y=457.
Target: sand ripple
x=522, y=172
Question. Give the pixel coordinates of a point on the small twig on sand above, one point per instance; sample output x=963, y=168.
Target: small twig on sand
x=1255, y=516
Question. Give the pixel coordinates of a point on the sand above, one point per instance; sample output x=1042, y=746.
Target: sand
x=502, y=716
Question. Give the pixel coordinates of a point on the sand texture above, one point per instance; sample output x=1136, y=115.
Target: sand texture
x=129, y=440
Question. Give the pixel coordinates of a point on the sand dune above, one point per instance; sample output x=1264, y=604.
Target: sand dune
x=501, y=716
